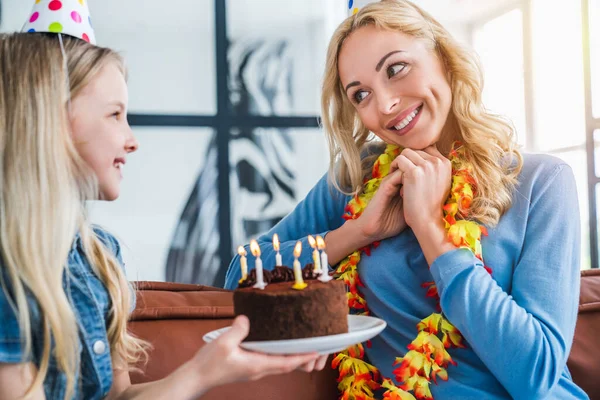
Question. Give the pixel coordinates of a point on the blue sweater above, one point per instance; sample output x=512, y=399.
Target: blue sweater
x=518, y=323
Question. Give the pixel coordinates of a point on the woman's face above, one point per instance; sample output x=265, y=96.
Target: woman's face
x=100, y=129
x=397, y=85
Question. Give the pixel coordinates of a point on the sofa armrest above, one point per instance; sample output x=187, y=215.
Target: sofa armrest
x=585, y=352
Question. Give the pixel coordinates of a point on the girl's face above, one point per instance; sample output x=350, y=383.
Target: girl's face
x=397, y=86
x=100, y=129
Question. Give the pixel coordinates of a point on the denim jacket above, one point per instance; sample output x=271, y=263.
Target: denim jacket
x=91, y=303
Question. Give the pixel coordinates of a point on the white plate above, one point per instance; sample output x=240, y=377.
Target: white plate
x=361, y=328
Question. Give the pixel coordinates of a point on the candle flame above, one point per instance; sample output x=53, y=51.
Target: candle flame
x=311, y=241
x=255, y=248
x=320, y=243
x=242, y=251
x=298, y=249
x=276, y=242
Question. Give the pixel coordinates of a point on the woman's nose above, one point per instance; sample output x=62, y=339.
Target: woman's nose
x=388, y=101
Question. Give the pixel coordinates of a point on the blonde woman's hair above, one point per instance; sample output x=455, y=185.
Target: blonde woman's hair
x=44, y=184
x=488, y=138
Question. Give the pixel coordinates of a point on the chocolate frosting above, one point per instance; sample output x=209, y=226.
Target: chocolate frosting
x=282, y=274
x=308, y=274
x=251, y=279
x=279, y=274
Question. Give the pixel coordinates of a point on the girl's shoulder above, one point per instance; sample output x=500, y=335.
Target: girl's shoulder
x=10, y=332
x=107, y=239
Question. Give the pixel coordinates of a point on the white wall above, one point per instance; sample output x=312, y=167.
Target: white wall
x=157, y=181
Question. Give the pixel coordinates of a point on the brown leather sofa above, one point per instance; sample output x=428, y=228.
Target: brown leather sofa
x=174, y=317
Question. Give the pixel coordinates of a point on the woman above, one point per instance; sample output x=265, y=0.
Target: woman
x=427, y=185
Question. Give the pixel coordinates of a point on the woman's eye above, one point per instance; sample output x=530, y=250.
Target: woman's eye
x=395, y=69
x=360, y=95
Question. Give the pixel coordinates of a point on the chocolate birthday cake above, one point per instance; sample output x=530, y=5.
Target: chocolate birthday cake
x=281, y=312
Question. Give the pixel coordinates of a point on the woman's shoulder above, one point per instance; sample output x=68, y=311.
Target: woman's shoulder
x=544, y=174
x=541, y=168
x=542, y=162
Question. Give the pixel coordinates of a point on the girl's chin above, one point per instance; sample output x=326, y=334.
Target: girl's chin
x=109, y=195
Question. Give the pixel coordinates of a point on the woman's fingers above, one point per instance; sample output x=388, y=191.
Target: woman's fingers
x=392, y=183
x=402, y=163
x=417, y=157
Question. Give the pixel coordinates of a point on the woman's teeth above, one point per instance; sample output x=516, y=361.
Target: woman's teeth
x=407, y=120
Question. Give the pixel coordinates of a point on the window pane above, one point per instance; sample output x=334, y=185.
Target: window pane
x=594, y=20
x=169, y=50
x=13, y=14
x=558, y=80
x=277, y=54
x=269, y=176
x=597, y=151
x=499, y=44
x=578, y=162
x=158, y=180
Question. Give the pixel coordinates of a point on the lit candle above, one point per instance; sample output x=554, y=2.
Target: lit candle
x=324, y=262
x=255, y=249
x=315, y=255
x=299, y=284
x=276, y=248
x=243, y=263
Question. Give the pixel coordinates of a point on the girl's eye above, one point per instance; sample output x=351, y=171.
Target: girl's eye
x=360, y=95
x=395, y=69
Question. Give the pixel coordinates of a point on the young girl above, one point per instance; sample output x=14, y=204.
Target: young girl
x=65, y=301
x=439, y=213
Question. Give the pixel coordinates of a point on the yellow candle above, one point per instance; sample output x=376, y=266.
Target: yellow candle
x=315, y=255
x=243, y=263
x=299, y=284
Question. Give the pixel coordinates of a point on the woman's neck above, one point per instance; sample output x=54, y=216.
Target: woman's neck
x=449, y=135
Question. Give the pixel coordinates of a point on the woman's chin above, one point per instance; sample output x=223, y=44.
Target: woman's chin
x=418, y=142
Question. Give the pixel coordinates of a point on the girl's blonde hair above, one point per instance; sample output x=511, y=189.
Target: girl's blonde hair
x=44, y=184
x=488, y=138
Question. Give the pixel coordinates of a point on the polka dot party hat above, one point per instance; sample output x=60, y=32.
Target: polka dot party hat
x=69, y=17
x=355, y=5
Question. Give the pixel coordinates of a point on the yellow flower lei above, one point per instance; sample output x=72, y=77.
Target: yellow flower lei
x=427, y=357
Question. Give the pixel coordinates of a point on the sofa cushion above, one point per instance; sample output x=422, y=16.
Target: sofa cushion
x=174, y=317
x=585, y=353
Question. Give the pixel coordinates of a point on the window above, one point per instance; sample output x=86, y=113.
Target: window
x=499, y=44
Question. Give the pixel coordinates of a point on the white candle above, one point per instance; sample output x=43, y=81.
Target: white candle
x=260, y=283
x=243, y=263
x=299, y=284
x=255, y=249
x=315, y=255
x=324, y=262
x=278, y=262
